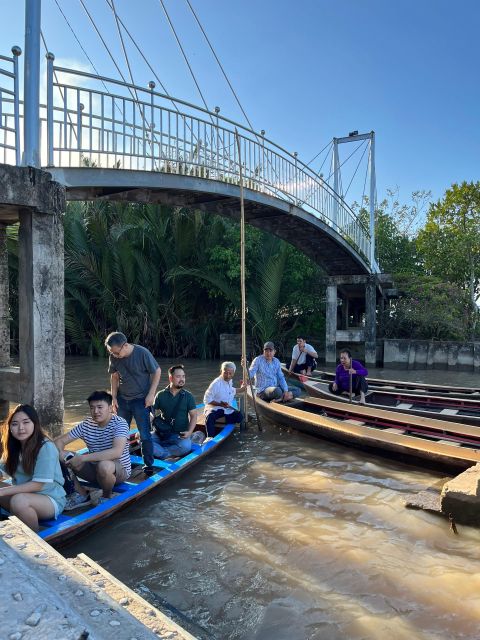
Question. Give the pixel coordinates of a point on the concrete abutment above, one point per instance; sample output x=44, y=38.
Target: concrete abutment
x=30, y=198
x=351, y=313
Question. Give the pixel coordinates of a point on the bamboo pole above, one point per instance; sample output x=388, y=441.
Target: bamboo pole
x=246, y=375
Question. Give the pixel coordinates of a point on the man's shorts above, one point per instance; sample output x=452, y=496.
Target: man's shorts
x=89, y=472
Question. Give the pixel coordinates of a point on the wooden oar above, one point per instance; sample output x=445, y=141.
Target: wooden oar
x=350, y=387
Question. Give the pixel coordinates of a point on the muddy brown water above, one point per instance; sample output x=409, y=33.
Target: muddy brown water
x=282, y=536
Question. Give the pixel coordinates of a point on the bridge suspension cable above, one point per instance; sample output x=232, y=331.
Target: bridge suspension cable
x=219, y=64
x=185, y=57
x=356, y=169
x=58, y=84
x=346, y=160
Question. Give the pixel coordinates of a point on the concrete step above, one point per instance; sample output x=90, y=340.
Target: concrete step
x=45, y=596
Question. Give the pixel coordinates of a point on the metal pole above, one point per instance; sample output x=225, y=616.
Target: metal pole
x=151, y=86
x=50, y=58
x=16, y=104
x=336, y=179
x=31, y=91
x=373, y=188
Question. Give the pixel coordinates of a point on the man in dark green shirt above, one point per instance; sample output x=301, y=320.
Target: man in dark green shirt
x=175, y=417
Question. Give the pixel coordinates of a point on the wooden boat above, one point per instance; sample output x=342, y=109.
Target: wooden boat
x=461, y=410
x=406, y=438
x=419, y=388
x=72, y=523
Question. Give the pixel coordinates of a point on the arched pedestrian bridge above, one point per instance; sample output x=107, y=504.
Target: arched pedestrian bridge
x=106, y=139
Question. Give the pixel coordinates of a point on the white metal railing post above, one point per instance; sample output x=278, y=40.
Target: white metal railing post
x=295, y=155
x=151, y=86
x=50, y=58
x=31, y=91
x=264, y=175
x=217, y=141
x=336, y=180
x=16, y=104
x=372, y=198
x=80, y=108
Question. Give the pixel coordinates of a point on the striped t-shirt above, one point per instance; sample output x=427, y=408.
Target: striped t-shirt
x=99, y=438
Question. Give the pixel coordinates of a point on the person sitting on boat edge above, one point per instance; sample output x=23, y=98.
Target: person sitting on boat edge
x=31, y=460
x=270, y=382
x=344, y=370
x=174, y=417
x=303, y=358
x=107, y=461
x=218, y=399
x=134, y=375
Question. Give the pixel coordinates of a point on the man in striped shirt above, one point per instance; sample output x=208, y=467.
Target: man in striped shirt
x=107, y=462
x=270, y=382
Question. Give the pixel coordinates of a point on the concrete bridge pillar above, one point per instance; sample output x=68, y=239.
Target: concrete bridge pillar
x=370, y=323
x=4, y=313
x=331, y=325
x=29, y=196
x=358, y=320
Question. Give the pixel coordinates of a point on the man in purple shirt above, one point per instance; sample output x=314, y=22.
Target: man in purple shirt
x=345, y=369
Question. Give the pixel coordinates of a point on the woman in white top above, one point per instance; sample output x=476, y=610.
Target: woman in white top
x=219, y=398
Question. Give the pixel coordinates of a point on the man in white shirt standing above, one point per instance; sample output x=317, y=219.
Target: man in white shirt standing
x=219, y=399
x=303, y=358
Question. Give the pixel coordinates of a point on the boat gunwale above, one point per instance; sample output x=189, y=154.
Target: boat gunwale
x=442, y=390
x=64, y=531
x=445, y=455
x=473, y=420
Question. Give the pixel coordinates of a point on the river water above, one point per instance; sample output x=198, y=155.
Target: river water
x=282, y=536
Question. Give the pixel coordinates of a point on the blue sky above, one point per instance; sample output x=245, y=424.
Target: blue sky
x=308, y=70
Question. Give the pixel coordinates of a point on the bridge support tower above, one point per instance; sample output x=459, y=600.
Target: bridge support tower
x=351, y=314
x=30, y=198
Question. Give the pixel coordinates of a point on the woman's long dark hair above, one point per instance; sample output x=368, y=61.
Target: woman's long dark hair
x=11, y=447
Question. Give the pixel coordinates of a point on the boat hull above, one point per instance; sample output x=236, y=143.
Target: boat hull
x=464, y=411
x=394, y=437
x=68, y=527
x=417, y=388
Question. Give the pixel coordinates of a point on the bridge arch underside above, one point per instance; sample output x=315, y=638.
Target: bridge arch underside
x=302, y=229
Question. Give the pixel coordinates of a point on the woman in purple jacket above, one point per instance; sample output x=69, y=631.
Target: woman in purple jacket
x=346, y=368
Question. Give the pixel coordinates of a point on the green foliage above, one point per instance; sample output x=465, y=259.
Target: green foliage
x=428, y=309
x=395, y=231
x=450, y=241
x=170, y=279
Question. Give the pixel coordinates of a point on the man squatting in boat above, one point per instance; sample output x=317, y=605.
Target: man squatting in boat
x=344, y=370
x=270, y=382
x=134, y=376
x=107, y=461
x=219, y=398
x=174, y=417
x=303, y=358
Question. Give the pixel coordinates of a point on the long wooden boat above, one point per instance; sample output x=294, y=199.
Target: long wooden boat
x=465, y=411
x=437, y=443
x=420, y=388
x=70, y=524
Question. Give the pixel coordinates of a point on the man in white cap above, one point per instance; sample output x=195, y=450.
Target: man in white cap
x=270, y=382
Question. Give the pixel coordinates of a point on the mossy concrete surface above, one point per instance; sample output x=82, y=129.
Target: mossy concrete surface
x=44, y=596
x=460, y=497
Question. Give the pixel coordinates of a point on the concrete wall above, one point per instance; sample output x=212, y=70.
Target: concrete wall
x=425, y=354
x=231, y=345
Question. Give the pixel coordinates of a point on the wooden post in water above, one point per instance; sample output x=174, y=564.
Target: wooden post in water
x=246, y=376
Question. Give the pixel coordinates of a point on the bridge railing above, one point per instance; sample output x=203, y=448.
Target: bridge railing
x=10, y=108
x=96, y=121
